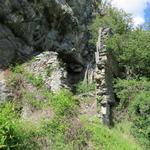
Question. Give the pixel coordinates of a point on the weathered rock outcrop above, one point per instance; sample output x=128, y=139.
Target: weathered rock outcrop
x=27, y=26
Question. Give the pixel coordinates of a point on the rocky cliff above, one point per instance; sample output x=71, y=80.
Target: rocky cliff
x=29, y=27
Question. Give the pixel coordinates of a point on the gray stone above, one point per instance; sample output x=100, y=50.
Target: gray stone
x=4, y=92
x=47, y=66
x=104, y=77
x=47, y=25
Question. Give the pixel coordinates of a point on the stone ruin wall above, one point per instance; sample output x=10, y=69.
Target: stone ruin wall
x=105, y=70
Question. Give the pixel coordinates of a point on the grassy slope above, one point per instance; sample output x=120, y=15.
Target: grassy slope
x=101, y=138
x=108, y=139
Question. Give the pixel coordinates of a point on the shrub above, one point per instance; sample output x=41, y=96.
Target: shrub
x=140, y=116
x=64, y=103
x=55, y=130
x=84, y=87
x=133, y=51
x=8, y=126
x=12, y=132
x=17, y=69
x=35, y=80
x=126, y=90
x=64, y=134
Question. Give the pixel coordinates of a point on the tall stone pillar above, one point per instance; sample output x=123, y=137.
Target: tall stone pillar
x=104, y=78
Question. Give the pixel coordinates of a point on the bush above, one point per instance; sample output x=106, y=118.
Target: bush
x=65, y=134
x=17, y=69
x=133, y=51
x=126, y=90
x=84, y=87
x=13, y=136
x=37, y=81
x=17, y=134
x=8, y=127
x=55, y=130
x=140, y=116
x=64, y=103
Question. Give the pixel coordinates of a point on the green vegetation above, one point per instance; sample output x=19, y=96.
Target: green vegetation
x=15, y=78
x=108, y=139
x=126, y=90
x=37, y=81
x=57, y=129
x=64, y=103
x=58, y=132
x=134, y=96
x=31, y=99
x=140, y=116
x=66, y=130
x=84, y=87
x=131, y=49
x=61, y=133
x=119, y=21
x=19, y=70
x=13, y=135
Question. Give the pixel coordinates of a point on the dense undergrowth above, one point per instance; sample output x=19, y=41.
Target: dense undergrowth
x=60, y=134
x=130, y=47
x=108, y=139
x=62, y=131
x=67, y=129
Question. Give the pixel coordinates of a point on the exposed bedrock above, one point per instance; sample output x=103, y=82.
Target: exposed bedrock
x=31, y=26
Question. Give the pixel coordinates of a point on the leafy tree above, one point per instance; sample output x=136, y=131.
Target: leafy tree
x=132, y=51
x=127, y=90
x=119, y=21
x=130, y=46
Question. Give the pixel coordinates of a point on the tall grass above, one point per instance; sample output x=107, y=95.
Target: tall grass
x=107, y=139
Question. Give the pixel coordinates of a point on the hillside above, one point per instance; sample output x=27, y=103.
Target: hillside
x=74, y=75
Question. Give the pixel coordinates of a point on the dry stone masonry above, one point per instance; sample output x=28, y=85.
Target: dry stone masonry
x=48, y=67
x=104, y=77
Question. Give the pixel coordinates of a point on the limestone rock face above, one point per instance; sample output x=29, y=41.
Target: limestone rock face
x=53, y=25
x=11, y=47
